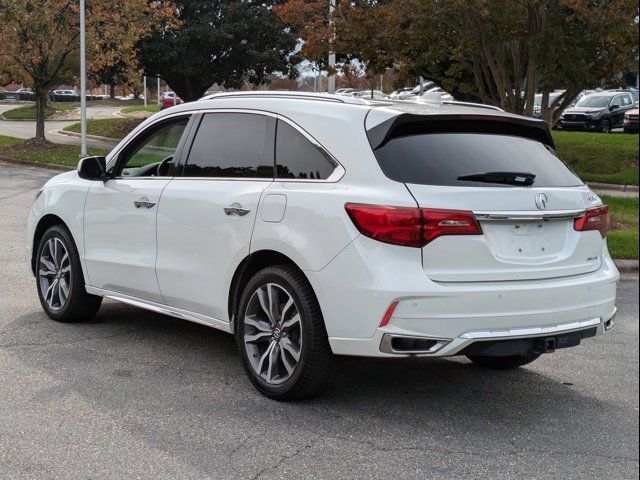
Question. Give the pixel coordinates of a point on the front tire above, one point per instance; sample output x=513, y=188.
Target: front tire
x=281, y=335
x=504, y=363
x=59, y=278
x=606, y=126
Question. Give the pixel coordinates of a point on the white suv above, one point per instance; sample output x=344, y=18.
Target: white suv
x=311, y=225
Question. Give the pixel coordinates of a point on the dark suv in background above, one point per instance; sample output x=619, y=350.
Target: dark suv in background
x=598, y=112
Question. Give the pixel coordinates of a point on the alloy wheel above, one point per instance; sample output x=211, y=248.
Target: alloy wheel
x=272, y=334
x=54, y=274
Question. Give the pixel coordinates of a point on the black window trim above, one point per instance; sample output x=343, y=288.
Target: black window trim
x=336, y=176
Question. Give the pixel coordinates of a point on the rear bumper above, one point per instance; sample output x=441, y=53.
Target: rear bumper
x=357, y=288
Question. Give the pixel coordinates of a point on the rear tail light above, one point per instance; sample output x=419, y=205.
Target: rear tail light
x=410, y=227
x=597, y=218
x=436, y=223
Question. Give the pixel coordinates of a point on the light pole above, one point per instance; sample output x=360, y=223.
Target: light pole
x=331, y=87
x=83, y=84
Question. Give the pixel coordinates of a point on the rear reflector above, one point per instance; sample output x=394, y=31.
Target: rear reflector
x=388, y=314
x=410, y=227
x=597, y=218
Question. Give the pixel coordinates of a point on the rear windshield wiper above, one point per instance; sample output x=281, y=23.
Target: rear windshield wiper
x=507, y=178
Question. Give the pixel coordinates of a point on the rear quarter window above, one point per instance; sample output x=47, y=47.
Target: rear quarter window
x=442, y=158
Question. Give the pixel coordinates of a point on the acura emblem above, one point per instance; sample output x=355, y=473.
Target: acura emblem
x=541, y=201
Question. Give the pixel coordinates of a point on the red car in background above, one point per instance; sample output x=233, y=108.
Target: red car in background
x=631, y=121
x=169, y=99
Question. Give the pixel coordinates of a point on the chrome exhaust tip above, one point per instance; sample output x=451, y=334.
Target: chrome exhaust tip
x=609, y=323
x=408, y=345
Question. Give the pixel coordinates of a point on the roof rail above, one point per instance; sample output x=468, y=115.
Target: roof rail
x=471, y=104
x=288, y=94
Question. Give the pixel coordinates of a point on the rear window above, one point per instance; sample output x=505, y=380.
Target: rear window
x=442, y=158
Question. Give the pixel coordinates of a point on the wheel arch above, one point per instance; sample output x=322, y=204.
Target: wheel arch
x=45, y=223
x=252, y=264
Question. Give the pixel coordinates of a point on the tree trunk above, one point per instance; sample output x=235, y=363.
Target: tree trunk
x=112, y=91
x=41, y=103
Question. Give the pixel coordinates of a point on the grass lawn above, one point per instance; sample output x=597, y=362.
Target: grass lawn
x=116, y=128
x=58, y=154
x=141, y=108
x=623, y=236
x=598, y=157
x=28, y=112
x=9, y=141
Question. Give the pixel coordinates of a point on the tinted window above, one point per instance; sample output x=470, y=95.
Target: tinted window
x=297, y=157
x=232, y=145
x=594, y=101
x=617, y=101
x=440, y=158
x=155, y=147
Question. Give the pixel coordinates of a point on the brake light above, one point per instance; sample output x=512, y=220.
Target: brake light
x=410, y=227
x=597, y=218
x=394, y=225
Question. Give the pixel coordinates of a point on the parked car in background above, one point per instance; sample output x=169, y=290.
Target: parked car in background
x=436, y=93
x=169, y=99
x=537, y=102
x=631, y=121
x=369, y=95
x=65, y=93
x=25, y=90
x=598, y=112
x=309, y=225
x=344, y=91
x=400, y=91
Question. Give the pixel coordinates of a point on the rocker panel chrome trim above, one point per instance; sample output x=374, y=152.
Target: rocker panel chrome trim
x=163, y=309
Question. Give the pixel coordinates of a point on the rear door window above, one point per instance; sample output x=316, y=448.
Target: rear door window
x=233, y=145
x=442, y=158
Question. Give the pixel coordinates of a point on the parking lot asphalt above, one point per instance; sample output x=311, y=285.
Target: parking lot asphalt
x=134, y=394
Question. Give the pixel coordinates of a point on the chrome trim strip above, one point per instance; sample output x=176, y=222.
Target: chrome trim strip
x=387, y=347
x=529, y=215
x=531, y=331
x=335, y=176
x=163, y=309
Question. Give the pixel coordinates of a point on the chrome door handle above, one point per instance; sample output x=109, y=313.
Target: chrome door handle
x=144, y=203
x=233, y=210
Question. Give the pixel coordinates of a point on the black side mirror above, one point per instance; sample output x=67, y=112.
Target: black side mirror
x=614, y=107
x=93, y=168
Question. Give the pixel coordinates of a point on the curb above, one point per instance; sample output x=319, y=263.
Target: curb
x=29, y=163
x=627, y=266
x=97, y=138
x=613, y=186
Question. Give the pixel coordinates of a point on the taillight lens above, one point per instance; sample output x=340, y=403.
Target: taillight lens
x=410, y=227
x=597, y=218
x=394, y=225
x=437, y=223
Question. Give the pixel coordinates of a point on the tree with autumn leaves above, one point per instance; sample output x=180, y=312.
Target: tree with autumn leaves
x=39, y=40
x=499, y=52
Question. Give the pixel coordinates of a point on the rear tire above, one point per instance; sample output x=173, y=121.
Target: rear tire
x=504, y=363
x=285, y=352
x=59, y=278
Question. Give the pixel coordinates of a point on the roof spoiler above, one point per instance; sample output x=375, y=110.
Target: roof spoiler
x=413, y=124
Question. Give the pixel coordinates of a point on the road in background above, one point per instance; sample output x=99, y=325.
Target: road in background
x=133, y=394
x=27, y=129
